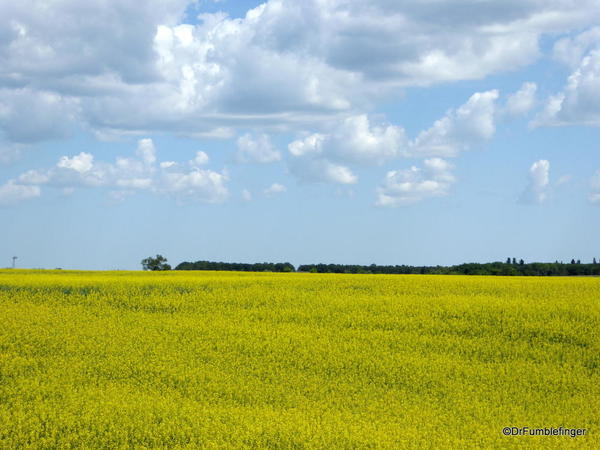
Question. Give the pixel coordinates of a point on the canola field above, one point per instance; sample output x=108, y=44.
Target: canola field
x=257, y=360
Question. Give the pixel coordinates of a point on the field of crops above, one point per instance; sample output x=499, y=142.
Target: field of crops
x=230, y=360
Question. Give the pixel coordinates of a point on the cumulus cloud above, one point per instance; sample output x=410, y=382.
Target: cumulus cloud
x=522, y=101
x=571, y=50
x=257, y=149
x=48, y=44
x=310, y=145
x=275, y=188
x=167, y=164
x=146, y=151
x=354, y=140
x=309, y=162
x=131, y=67
x=201, y=185
x=357, y=141
x=578, y=103
x=12, y=193
x=200, y=159
x=330, y=57
x=55, y=56
x=126, y=176
x=595, y=188
x=28, y=116
x=80, y=163
x=459, y=129
x=410, y=186
x=539, y=183
x=321, y=170
x=420, y=43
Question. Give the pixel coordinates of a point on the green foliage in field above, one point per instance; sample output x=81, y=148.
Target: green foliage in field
x=230, y=360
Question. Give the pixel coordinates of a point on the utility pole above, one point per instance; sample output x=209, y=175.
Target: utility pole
x=14, y=264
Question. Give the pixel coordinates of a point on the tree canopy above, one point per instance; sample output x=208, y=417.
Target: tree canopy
x=243, y=267
x=511, y=267
x=159, y=262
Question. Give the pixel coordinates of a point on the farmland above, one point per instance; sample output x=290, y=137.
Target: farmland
x=230, y=360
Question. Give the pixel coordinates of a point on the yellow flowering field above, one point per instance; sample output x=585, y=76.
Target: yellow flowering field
x=263, y=360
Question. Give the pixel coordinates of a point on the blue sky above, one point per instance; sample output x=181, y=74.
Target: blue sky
x=321, y=131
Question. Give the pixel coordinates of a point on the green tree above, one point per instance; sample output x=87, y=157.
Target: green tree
x=157, y=263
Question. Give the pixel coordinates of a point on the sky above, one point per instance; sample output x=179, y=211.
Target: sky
x=335, y=131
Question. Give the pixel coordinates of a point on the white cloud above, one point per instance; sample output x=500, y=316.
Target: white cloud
x=201, y=159
x=275, y=188
x=129, y=67
x=460, y=129
x=28, y=115
x=256, y=149
x=310, y=145
x=321, y=170
x=539, y=183
x=81, y=163
x=11, y=193
x=53, y=42
x=146, y=151
x=548, y=116
x=126, y=176
x=356, y=141
x=571, y=50
x=595, y=188
x=322, y=157
x=202, y=185
x=522, y=101
x=77, y=171
x=410, y=186
x=579, y=101
x=330, y=58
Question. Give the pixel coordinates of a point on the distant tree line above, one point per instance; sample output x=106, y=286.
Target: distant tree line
x=242, y=267
x=509, y=268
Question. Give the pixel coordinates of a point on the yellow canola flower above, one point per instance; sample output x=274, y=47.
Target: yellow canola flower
x=263, y=360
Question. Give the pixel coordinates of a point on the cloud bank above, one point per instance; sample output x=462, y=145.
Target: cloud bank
x=127, y=175
x=129, y=67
